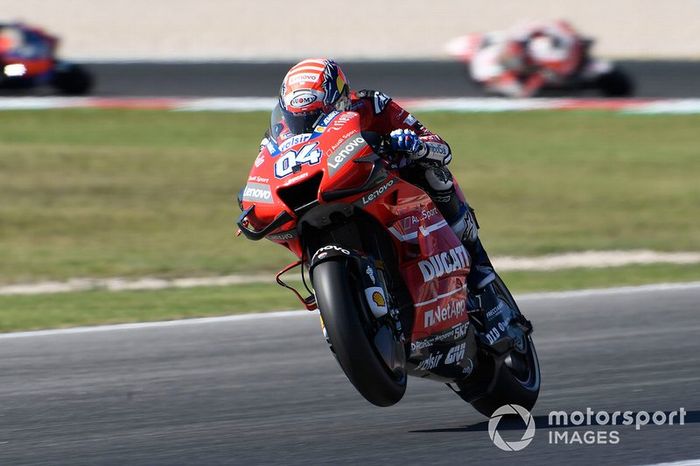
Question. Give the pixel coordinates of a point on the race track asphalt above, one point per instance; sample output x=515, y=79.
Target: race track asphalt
x=267, y=391
x=671, y=79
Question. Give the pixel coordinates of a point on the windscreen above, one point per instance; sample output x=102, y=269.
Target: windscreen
x=296, y=123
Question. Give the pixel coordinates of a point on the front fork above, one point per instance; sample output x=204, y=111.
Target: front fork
x=373, y=284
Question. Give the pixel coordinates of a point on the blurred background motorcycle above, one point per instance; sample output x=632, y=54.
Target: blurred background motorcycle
x=28, y=60
x=539, y=58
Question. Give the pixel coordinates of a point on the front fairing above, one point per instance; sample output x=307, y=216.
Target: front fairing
x=326, y=156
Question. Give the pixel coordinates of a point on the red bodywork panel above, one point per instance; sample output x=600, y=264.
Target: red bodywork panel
x=433, y=262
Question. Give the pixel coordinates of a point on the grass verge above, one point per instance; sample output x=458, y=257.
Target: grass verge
x=101, y=193
x=103, y=307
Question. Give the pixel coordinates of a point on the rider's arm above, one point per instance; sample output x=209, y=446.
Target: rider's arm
x=389, y=116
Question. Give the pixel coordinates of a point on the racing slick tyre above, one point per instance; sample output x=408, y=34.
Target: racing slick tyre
x=516, y=377
x=615, y=83
x=72, y=79
x=349, y=326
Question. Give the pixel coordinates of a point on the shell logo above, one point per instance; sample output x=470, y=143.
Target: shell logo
x=378, y=299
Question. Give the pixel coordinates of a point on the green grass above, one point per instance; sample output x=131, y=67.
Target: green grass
x=133, y=193
x=104, y=307
x=124, y=193
x=100, y=307
x=101, y=193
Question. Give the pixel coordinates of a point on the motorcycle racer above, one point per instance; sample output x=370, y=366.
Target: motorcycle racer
x=25, y=42
x=315, y=87
x=527, y=58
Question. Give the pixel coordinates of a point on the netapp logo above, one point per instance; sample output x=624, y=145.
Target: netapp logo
x=438, y=265
x=453, y=310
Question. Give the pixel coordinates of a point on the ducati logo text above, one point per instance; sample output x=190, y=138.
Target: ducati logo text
x=447, y=262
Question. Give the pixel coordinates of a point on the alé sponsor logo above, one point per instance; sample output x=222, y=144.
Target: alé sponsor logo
x=347, y=151
x=341, y=121
x=453, y=310
x=447, y=262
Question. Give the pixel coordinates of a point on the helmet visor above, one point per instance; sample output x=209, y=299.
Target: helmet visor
x=301, y=122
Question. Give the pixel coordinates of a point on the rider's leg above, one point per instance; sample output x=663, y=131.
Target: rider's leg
x=439, y=184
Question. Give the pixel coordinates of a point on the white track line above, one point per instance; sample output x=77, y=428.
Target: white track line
x=273, y=315
x=157, y=324
x=123, y=284
x=594, y=259
x=620, y=290
x=585, y=259
x=465, y=104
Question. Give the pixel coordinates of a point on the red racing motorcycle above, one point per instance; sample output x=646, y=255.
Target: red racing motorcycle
x=387, y=273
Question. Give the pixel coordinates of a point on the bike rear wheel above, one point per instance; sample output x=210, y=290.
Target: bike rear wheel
x=515, y=378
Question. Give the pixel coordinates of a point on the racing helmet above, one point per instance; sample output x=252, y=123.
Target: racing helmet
x=311, y=89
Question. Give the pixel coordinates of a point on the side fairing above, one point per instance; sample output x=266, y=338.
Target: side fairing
x=433, y=262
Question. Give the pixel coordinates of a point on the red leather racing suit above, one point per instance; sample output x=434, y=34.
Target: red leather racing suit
x=380, y=114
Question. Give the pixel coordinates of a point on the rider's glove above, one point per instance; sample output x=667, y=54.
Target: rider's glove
x=407, y=141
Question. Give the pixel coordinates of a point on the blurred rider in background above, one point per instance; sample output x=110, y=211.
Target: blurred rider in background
x=23, y=42
x=315, y=87
x=531, y=56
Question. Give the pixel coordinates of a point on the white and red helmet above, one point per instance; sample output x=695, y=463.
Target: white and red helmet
x=311, y=88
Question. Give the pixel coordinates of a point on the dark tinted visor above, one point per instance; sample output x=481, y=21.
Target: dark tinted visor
x=299, y=123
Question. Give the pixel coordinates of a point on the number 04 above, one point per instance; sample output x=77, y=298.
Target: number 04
x=290, y=159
